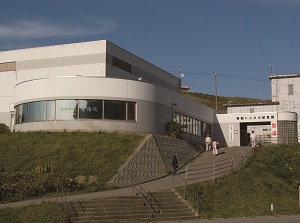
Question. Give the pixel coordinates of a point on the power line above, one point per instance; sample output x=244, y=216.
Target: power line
x=212, y=92
x=206, y=73
x=251, y=90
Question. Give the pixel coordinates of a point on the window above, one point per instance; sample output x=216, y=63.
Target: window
x=290, y=89
x=75, y=109
x=36, y=111
x=21, y=112
x=50, y=110
x=115, y=110
x=90, y=109
x=66, y=109
x=131, y=111
x=18, y=116
x=251, y=110
x=24, y=112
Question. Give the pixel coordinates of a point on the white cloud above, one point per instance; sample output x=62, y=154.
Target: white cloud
x=31, y=29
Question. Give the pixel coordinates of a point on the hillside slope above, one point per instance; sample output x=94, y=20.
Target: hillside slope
x=210, y=100
x=271, y=176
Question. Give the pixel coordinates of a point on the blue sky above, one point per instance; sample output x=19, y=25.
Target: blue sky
x=235, y=38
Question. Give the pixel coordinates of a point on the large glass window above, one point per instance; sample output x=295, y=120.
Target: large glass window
x=131, y=111
x=66, y=109
x=115, y=110
x=36, y=111
x=206, y=129
x=90, y=109
x=74, y=109
x=50, y=110
x=191, y=125
x=24, y=112
x=18, y=119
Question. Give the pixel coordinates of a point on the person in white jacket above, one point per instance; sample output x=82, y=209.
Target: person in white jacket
x=208, y=143
x=252, y=138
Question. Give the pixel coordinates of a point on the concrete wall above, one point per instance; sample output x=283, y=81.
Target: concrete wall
x=154, y=103
x=252, y=109
x=288, y=101
x=230, y=124
x=7, y=83
x=139, y=69
x=85, y=71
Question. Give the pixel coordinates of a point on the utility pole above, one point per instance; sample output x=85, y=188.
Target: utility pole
x=214, y=74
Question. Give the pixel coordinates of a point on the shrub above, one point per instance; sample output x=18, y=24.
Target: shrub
x=3, y=128
x=174, y=130
x=19, y=186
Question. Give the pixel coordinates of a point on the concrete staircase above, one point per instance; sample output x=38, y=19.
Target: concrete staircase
x=164, y=206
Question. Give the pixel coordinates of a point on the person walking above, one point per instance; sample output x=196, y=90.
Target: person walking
x=208, y=143
x=252, y=138
x=174, y=165
x=215, y=145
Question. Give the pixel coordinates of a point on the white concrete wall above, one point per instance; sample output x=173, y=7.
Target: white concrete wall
x=280, y=93
x=7, y=83
x=255, y=108
x=153, y=102
x=80, y=71
x=230, y=124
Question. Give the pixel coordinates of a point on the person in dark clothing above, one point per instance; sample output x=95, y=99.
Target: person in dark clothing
x=174, y=164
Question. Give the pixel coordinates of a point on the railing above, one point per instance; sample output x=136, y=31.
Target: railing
x=212, y=170
x=208, y=171
x=188, y=192
x=60, y=194
x=148, y=199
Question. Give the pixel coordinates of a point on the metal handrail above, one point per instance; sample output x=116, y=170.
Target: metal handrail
x=60, y=193
x=186, y=193
x=225, y=164
x=142, y=193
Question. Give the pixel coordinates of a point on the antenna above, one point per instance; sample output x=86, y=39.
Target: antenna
x=271, y=67
x=180, y=74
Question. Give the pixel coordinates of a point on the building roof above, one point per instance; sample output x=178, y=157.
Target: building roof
x=277, y=76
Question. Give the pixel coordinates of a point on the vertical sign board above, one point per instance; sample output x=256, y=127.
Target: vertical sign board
x=230, y=133
x=274, y=129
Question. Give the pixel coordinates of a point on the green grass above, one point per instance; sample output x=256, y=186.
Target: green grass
x=210, y=100
x=44, y=213
x=271, y=176
x=70, y=153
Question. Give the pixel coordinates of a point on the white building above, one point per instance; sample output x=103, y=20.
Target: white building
x=98, y=86
x=286, y=91
x=94, y=86
x=278, y=122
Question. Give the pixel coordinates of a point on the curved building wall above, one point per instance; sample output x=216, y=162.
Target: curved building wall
x=287, y=128
x=154, y=105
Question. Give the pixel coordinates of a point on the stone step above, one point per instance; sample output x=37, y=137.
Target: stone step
x=167, y=206
x=136, y=217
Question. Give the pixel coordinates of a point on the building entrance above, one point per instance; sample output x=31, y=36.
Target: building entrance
x=259, y=128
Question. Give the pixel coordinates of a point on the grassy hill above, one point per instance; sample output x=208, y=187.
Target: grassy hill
x=84, y=161
x=271, y=176
x=210, y=100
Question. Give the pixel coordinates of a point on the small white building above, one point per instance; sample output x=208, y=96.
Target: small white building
x=286, y=91
x=276, y=122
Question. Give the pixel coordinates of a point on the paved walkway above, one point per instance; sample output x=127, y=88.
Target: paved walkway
x=163, y=183
x=260, y=219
